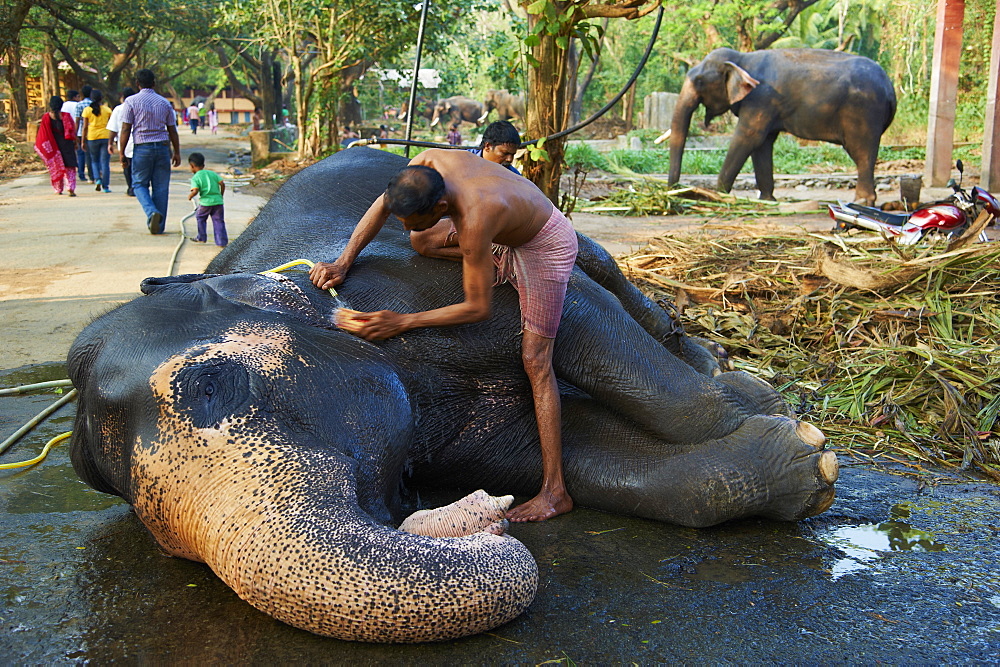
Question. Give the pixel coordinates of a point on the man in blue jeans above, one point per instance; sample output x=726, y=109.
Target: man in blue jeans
x=150, y=120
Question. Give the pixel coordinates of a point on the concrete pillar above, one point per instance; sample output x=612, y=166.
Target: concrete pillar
x=944, y=91
x=991, y=127
x=658, y=110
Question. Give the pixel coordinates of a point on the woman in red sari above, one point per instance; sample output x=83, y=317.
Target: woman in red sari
x=56, y=144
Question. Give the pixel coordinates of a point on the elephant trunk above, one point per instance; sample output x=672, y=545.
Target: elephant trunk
x=353, y=579
x=282, y=527
x=679, y=124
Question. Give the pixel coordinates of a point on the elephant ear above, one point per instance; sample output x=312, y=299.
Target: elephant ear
x=739, y=83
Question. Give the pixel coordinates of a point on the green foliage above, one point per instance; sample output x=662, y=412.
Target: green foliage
x=585, y=157
x=640, y=162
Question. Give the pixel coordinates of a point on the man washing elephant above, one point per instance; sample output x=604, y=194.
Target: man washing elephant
x=502, y=228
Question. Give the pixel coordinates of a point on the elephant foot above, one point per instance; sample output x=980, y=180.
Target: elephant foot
x=787, y=472
x=477, y=512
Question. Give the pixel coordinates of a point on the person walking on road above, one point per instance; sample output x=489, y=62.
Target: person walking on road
x=56, y=144
x=192, y=114
x=209, y=188
x=149, y=119
x=95, y=139
x=115, y=126
x=82, y=163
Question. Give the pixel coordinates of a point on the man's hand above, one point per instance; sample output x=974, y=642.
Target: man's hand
x=372, y=326
x=325, y=275
x=176, y=159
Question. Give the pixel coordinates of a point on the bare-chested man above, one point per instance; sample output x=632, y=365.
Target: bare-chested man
x=501, y=227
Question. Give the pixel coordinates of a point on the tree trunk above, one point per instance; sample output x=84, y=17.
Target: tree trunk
x=628, y=108
x=50, y=73
x=18, y=119
x=547, y=110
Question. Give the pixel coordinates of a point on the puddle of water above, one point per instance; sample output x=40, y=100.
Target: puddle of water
x=864, y=544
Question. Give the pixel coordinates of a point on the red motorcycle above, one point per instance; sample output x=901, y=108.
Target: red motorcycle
x=950, y=217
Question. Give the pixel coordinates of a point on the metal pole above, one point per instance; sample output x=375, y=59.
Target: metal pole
x=416, y=75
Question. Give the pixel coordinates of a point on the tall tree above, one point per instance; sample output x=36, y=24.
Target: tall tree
x=551, y=26
x=329, y=43
x=12, y=16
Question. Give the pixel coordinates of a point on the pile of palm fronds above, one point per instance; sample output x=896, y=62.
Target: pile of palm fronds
x=889, y=350
x=652, y=196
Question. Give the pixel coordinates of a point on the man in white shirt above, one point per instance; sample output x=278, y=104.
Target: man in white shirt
x=115, y=126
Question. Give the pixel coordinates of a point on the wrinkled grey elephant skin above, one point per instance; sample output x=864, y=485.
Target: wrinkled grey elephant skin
x=251, y=434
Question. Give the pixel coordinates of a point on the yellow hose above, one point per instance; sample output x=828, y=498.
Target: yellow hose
x=24, y=464
x=297, y=262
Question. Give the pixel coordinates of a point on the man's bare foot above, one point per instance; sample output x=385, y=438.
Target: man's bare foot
x=543, y=506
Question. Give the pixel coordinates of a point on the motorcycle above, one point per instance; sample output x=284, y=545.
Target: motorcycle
x=950, y=217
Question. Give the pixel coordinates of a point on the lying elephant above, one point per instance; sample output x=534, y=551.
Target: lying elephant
x=811, y=93
x=251, y=434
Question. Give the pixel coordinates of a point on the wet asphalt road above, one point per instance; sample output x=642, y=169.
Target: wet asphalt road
x=919, y=581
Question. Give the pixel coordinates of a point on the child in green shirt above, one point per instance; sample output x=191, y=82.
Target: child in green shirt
x=209, y=188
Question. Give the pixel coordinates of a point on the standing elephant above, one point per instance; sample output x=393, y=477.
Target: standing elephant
x=508, y=106
x=248, y=432
x=812, y=93
x=459, y=108
x=424, y=108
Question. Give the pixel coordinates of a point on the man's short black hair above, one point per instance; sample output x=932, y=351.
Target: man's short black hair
x=145, y=78
x=127, y=92
x=197, y=159
x=85, y=91
x=70, y=94
x=500, y=132
x=414, y=189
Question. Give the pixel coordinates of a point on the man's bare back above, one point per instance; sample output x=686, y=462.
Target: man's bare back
x=510, y=208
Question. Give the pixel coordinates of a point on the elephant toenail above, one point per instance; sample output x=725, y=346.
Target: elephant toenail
x=829, y=467
x=810, y=435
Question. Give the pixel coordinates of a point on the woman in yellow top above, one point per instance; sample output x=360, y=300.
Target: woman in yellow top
x=95, y=139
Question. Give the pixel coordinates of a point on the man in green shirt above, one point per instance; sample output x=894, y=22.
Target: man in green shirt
x=209, y=188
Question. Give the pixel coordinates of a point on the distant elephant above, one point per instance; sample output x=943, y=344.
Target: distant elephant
x=508, y=106
x=423, y=105
x=811, y=93
x=350, y=112
x=459, y=108
x=248, y=432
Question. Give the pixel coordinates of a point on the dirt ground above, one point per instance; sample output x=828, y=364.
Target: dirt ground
x=72, y=259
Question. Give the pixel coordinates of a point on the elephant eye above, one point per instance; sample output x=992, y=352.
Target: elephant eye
x=211, y=391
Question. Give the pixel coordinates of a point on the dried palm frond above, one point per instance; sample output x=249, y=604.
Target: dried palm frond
x=891, y=350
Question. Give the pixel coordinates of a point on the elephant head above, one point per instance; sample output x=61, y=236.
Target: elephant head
x=507, y=105
x=717, y=83
x=225, y=429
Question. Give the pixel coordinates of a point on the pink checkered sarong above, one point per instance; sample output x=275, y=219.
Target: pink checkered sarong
x=539, y=270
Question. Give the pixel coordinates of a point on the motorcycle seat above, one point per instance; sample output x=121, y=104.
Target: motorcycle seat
x=888, y=217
